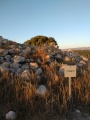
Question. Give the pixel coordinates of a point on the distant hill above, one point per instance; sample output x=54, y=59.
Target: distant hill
x=78, y=48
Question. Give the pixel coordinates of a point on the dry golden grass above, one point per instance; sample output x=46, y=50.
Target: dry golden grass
x=20, y=95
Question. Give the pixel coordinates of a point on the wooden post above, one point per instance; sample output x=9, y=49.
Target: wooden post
x=69, y=87
x=70, y=71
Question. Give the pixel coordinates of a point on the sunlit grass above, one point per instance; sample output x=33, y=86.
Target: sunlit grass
x=20, y=95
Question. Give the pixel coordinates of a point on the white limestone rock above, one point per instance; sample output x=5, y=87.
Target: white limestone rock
x=25, y=66
x=77, y=111
x=77, y=59
x=38, y=77
x=61, y=70
x=18, y=71
x=67, y=54
x=18, y=59
x=5, y=52
x=33, y=65
x=42, y=90
x=1, y=51
x=12, y=70
x=7, y=58
x=27, y=60
x=56, y=46
x=17, y=50
x=27, y=50
x=15, y=65
x=11, y=46
x=5, y=64
x=25, y=74
x=38, y=71
x=31, y=60
x=10, y=51
x=48, y=56
x=38, y=61
x=11, y=115
x=4, y=41
x=79, y=65
x=66, y=59
x=4, y=69
x=58, y=56
x=82, y=62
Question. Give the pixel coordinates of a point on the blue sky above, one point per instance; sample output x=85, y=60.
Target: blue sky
x=67, y=21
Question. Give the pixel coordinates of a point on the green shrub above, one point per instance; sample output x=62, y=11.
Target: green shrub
x=40, y=40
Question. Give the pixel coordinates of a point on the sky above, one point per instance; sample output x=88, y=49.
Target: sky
x=67, y=21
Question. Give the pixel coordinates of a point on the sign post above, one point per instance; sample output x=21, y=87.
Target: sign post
x=70, y=71
x=69, y=87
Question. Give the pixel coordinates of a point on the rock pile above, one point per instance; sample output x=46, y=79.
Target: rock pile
x=20, y=59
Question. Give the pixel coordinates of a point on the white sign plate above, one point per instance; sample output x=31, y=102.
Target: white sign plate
x=70, y=71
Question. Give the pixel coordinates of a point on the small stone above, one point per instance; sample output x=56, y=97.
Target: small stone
x=33, y=65
x=4, y=69
x=25, y=74
x=8, y=58
x=15, y=65
x=11, y=115
x=18, y=59
x=25, y=66
x=77, y=111
x=42, y=90
x=38, y=71
x=58, y=56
